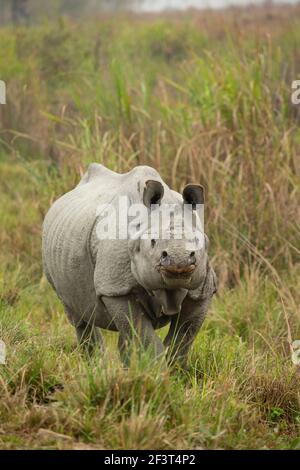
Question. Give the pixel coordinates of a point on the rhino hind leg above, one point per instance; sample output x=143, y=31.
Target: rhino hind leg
x=88, y=335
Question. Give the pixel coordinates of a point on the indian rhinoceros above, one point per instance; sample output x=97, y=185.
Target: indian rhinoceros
x=131, y=285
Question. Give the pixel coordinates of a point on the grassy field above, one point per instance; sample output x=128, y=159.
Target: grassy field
x=202, y=98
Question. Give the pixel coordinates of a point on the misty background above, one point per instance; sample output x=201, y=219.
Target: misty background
x=22, y=11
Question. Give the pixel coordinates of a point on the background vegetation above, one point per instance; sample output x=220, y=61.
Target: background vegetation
x=202, y=98
x=32, y=11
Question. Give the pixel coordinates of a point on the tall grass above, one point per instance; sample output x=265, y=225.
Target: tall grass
x=202, y=99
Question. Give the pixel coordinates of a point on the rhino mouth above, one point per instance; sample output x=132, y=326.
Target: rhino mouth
x=175, y=272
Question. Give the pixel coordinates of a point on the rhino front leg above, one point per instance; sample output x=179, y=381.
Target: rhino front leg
x=89, y=337
x=132, y=324
x=184, y=329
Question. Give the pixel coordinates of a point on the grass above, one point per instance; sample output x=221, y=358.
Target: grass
x=202, y=99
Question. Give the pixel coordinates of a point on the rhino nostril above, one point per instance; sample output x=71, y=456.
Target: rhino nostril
x=164, y=254
x=192, y=258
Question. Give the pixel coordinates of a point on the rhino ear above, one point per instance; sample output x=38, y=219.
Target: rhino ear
x=193, y=194
x=153, y=193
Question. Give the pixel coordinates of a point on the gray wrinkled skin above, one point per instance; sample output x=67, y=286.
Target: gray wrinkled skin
x=125, y=285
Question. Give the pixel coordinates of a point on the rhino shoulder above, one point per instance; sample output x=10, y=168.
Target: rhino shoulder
x=113, y=276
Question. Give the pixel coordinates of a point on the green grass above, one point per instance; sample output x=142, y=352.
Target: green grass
x=201, y=101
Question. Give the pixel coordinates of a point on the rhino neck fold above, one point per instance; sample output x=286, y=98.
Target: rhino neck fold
x=170, y=300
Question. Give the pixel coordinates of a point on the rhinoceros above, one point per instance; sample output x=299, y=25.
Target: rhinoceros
x=131, y=285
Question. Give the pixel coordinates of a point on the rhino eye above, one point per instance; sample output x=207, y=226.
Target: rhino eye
x=153, y=243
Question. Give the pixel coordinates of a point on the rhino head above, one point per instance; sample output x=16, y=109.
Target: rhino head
x=172, y=261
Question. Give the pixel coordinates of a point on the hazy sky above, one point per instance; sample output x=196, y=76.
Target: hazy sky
x=157, y=5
